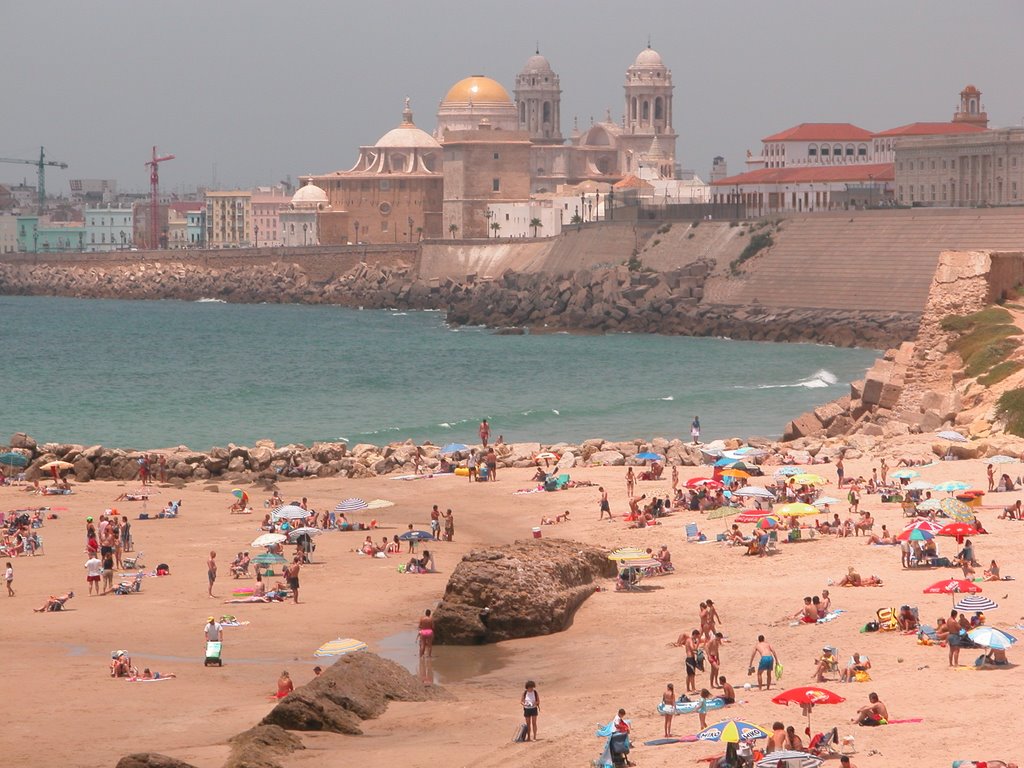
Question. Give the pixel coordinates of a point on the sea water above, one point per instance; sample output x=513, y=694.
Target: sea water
x=150, y=374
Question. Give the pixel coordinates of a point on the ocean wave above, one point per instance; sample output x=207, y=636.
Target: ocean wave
x=205, y=300
x=820, y=379
x=669, y=397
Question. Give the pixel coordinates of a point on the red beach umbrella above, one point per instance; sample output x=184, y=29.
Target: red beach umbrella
x=708, y=482
x=807, y=696
x=957, y=530
x=925, y=525
x=952, y=587
x=752, y=515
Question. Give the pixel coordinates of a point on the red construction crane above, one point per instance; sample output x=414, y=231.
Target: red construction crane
x=154, y=199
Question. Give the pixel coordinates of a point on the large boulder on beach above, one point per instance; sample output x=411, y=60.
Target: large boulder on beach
x=261, y=745
x=529, y=588
x=607, y=459
x=21, y=440
x=355, y=688
x=151, y=760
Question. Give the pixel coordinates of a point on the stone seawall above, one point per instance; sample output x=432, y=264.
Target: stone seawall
x=610, y=299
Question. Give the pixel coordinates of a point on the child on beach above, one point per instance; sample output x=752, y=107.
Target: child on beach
x=531, y=705
x=9, y=579
x=668, y=698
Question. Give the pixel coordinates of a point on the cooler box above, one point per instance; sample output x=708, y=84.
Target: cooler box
x=536, y=533
x=212, y=653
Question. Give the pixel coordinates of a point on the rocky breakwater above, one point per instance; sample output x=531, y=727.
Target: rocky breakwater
x=525, y=589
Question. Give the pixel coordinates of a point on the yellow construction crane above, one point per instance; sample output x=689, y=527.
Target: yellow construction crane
x=40, y=165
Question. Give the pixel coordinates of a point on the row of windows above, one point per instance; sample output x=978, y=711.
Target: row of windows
x=837, y=150
x=951, y=164
x=952, y=191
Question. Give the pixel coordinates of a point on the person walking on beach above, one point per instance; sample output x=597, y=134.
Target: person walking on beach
x=484, y=432
x=491, y=460
x=211, y=571
x=695, y=430
x=9, y=579
x=449, y=526
x=214, y=632
x=426, y=634
x=471, y=466
x=531, y=705
x=604, y=504
x=93, y=570
x=767, y=659
x=292, y=575
x=713, y=648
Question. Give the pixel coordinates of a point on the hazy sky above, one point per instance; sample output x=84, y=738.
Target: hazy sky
x=262, y=89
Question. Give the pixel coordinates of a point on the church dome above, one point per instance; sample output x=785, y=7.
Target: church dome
x=477, y=90
x=407, y=135
x=648, y=57
x=537, y=64
x=309, y=196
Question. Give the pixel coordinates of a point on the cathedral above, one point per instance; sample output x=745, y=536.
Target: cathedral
x=489, y=147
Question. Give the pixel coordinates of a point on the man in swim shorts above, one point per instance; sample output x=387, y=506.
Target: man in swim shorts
x=766, y=663
x=691, y=660
x=292, y=575
x=604, y=504
x=211, y=571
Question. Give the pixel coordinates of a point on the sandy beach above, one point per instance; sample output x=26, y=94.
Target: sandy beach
x=616, y=654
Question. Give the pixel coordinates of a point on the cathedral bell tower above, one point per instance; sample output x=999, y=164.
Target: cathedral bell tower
x=538, y=98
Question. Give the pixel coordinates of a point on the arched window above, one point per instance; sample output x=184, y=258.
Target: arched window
x=837, y=150
x=849, y=150
x=862, y=150
x=546, y=112
x=812, y=150
x=522, y=111
x=825, y=151
x=632, y=110
x=659, y=109
x=646, y=111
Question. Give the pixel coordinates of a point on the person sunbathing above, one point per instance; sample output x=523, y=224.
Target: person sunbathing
x=120, y=664
x=54, y=602
x=857, y=664
x=864, y=524
x=854, y=579
x=736, y=536
x=885, y=537
x=823, y=664
x=148, y=675
x=807, y=614
x=992, y=572
x=906, y=619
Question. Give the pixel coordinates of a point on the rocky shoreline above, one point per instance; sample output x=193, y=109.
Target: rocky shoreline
x=604, y=300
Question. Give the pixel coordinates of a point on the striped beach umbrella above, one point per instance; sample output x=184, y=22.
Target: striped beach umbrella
x=930, y=505
x=289, y=512
x=976, y=603
x=351, y=505
x=924, y=525
x=628, y=553
x=755, y=492
x=339, y=647
x=733, y=731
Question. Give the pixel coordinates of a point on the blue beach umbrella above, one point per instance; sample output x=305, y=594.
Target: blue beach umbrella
x=951, y=486
x=649, y=456
x=990, y=637
x=787, y=471
x=454, y=448
x=905, y=474
x=13, y=459
x=417, y=536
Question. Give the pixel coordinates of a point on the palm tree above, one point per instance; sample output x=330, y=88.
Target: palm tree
x=453, y=228
x=419, y=233
x=536, y=224
x=495, y=226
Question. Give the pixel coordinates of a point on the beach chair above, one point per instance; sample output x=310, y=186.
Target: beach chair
x=692, y=534
x=127, y=587
x=824, y=744
x=132, y=562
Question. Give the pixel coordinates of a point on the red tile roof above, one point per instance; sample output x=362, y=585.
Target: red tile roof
x=186, y=207
x=932, y=129
x=806, y=175
x=821, y=132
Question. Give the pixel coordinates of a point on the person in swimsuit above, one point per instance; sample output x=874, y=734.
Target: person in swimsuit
x=712, y=649
x=605, y=507
x=668, y=698
x=691, y=644
x=284, y=685
x=728, y=692
x=953, y=639
x=766, y=663
x=531, y=705
x=874, y=713
x=292, y=576
x=426, y=634
x=211, y=571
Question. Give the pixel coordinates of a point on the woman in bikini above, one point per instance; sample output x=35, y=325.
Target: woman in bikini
x=426, y=634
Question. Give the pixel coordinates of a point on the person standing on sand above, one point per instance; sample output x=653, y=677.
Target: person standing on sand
x=471, y=466
x=93, y=570
x=211, y=572
x=531, y=706
x=766, y=661
x=840, y=471
x=491, y=460
x=604, y=504
x=449, y=526
x=695, y=430
x=668, y=698
x=884, y=470
x=292, y=575
x=9, y=579
x=214, y=632
x=484, y=432
x=426, y=634
x=675, y=480
x=630, y=482
x=712, y=648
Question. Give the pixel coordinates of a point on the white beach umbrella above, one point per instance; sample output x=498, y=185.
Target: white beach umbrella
x=919, y=485
x=755, y=492
x=268, y=539
x=289, y=512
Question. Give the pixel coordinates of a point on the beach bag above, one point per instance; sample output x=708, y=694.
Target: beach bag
x=871, y=626
x=520, y=734
x=861, y=677
x=778, y=671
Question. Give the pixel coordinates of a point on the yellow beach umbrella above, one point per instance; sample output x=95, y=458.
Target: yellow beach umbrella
x=732, y=731
x=628, y=553
x=735, y=473
x=340, y=647
x=797, y=509
x=809, y=478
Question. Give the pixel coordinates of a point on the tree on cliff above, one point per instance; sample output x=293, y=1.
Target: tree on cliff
x=536, y=224
x=453, y=228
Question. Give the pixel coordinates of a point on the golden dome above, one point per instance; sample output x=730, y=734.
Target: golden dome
x=477, y=89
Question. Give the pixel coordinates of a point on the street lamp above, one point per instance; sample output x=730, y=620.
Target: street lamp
x=871, y=190
x=256, y=228
x=305, y=226
x=410, y=222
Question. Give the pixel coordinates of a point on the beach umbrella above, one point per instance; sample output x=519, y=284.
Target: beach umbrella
x=821, y=501
x=920, y=485
x=809, y=478
x=998, y=459
x=905, y=474
x=58, y=464
x=350, y=505
x=808, y=696
x=788, y=471
x=269, y=559
x=289, y=512
x=973, y=603
x=733, y=731
x=952, y=486
x=957, y=510
x=649, y=456
x=952, y=436
x=990, y=637
x=925, y=525
x=725, y=461
x=755, y=492
x=454, y=448
x=268, y=539
x=709, y=482
x=746, y=451
x=797, y=509
x=788, y=758
x=766, y=523
x=720, y=512
x=339, y=647
x=417, y=536
x=14, y=459
x=307, y=531
x=956, y=530
x=735, y=473
x=952, y=587
x=752, y=515
x=379, y=504
x=930, y=505
x=628, y=553
x=548, y=455
x=916, y=534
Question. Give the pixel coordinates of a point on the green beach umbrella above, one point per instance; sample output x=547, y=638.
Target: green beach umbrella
x=720, y=512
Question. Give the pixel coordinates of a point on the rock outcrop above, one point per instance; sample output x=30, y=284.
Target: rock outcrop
x=151, y=760
x=355, y=688
x=525, y=589
x=261, y=746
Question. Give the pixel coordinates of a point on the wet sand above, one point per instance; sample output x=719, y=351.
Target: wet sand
x=616, y=653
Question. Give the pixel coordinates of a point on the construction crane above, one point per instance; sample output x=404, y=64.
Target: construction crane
x=40, y=165
x=154, y=199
